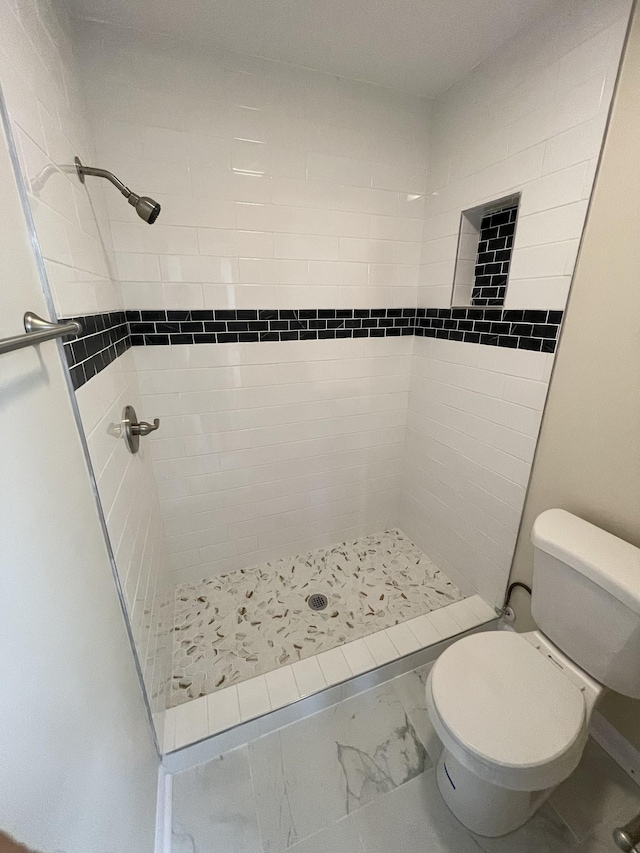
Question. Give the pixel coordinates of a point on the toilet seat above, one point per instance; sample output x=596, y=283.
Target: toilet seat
x=507, y=712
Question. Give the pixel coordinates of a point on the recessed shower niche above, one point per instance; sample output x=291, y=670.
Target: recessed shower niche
x=485, y=246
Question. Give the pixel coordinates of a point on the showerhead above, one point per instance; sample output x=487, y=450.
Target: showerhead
x=146, y=208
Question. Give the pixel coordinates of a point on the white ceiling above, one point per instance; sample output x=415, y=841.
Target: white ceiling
x=418, y=46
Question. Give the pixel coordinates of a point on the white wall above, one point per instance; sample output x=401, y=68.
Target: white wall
x=588, y=459
x=41, y=88
x=473, y=421
x=280, y=188
x=531, y=118
x=131, y=507
x=79, y=768
x=40, y=82
x=271, y=449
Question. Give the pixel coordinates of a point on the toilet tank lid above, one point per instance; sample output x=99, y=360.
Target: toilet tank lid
x=602, y=557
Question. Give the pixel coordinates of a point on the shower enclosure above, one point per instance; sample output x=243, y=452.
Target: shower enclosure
x=333, y=443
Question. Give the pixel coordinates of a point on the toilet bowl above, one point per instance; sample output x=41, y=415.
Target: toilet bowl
x=513, y=716
x=513, y=710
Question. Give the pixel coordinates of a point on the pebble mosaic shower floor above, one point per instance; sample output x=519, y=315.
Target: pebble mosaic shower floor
x=251, y=621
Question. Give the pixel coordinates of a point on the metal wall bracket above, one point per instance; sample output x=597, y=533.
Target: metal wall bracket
x=38, y=331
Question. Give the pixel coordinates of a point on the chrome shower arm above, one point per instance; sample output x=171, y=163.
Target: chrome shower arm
x=101, y=173
x=147, y=208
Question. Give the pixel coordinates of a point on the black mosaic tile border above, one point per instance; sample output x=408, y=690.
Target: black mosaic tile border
x=535, y=330
x=104, y=337
x=160, y=328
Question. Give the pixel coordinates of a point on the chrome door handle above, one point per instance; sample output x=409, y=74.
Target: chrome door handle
x=133, y=428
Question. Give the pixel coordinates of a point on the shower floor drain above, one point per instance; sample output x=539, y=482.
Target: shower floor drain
x=317, y=601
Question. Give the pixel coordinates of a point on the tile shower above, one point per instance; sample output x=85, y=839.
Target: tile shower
x=289, y=320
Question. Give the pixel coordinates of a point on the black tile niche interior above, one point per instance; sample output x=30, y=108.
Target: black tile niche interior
x=483, y=257
x=495, y=247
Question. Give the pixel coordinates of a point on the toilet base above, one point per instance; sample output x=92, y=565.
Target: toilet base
x=483, y=807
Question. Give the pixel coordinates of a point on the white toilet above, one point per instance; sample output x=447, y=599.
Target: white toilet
x=513, y=710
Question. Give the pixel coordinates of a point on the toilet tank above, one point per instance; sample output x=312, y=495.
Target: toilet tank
x=586, y=597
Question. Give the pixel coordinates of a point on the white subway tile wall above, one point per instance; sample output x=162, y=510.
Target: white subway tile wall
x=271, y=449
x=41, y=86
x=531, y=118
x=280, y=187
x=474, y=417
x=129, y=500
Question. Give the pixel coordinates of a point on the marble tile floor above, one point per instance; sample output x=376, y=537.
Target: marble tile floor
x=359, y=778
x=251, y=621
